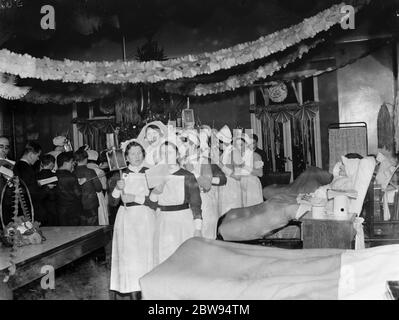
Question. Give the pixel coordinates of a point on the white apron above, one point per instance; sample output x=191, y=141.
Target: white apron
x=209, y=206
x=172, y=227
x=251, y=187
x=132, y=244
x=210, y=214
x=103, y=219
x=230, y=194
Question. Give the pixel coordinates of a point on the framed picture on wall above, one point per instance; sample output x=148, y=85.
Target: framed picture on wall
x=188, y=118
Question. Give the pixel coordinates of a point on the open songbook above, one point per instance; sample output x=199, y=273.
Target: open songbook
x=8, y=173
x=156, y=175
x=50, y=180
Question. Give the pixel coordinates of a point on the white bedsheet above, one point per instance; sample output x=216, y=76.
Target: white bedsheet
x=216, y=270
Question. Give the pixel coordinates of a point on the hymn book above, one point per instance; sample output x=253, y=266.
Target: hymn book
x=156, y=175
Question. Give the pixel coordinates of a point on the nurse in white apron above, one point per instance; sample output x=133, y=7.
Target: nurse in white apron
x=229, y=194
x=198, y=163
x=132, y=245
x=250, y=169
x=179, y=206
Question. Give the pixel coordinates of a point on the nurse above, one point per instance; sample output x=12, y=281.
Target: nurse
x=132, y=245
x=229, y=194
x=179, y=203
x=198, y=163
x=151, y=137
x=250, y=169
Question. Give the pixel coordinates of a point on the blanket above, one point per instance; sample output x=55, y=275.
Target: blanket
x=256, y=221
x=209, y=269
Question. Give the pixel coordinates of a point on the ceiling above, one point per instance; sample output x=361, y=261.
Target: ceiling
x=93, y=29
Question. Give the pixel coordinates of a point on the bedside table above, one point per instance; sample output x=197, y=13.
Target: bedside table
x=327, y=233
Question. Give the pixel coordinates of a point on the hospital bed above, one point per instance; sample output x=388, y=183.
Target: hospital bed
x=275, y=223
x=235, y=270
x=204, y=269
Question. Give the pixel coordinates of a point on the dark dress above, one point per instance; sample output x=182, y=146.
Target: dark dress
x=68, y=196
x=263, y=155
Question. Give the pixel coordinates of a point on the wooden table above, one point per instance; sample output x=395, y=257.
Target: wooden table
x=62, y=246
x=328, y=232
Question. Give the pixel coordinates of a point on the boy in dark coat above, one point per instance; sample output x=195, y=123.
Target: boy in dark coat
x=48, y=202
x=68, y=192
x=91, y=185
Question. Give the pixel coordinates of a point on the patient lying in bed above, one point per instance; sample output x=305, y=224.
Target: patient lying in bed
x=282, y=206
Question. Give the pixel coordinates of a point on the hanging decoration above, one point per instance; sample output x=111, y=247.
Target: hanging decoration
x=8, y=88
x=188, y=66
x=307, y=111
x=278, y=93
x=243, y=80
x=282, y=116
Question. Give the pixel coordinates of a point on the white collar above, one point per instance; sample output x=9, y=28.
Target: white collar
x=135, y=169
x=24, y=160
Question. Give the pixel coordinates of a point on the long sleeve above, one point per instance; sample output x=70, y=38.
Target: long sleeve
x=257, y=165
x=205, y=179
x=218, y=176
x=193, y=195
x=113, y=202
x=25, y=172
x=75, y=187
x=95, y=181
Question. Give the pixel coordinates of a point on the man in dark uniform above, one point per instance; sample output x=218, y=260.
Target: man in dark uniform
x=4, y=161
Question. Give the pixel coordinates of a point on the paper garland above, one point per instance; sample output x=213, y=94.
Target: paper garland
x=244, y=80
x=188, y=66
x=8, y=88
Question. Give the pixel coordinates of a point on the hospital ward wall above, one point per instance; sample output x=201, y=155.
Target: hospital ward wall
x=328, y=110
x=364, y=86
x=40, y=123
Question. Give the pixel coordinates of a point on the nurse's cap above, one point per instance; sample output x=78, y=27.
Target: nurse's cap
x=224, y=134
x=59, y=141
x=92, y=155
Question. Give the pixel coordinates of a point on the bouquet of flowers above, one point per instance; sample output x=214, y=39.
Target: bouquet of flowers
x=21, y=232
